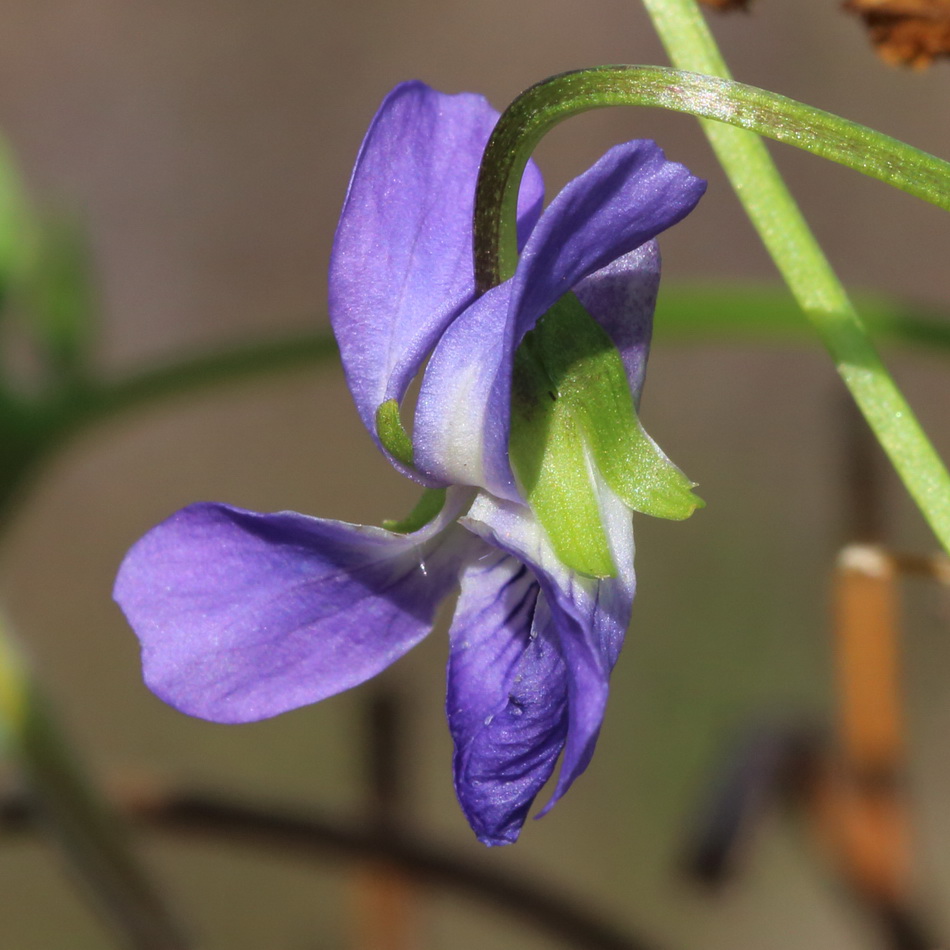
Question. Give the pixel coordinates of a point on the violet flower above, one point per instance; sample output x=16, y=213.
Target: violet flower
x=243, y=616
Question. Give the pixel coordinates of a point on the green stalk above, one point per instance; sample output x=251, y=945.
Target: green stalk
x=771, y=208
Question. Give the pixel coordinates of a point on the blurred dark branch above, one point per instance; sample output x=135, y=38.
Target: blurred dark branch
x=315, y=837
x=903, y=930
x=385, y=744
x=936, y=567
x=385, y=895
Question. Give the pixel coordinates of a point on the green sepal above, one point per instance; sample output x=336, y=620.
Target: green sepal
x=572, y=413
x=551, y=460
x=427, y=508
x=392, y=433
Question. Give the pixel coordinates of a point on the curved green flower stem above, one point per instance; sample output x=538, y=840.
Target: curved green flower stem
x=765, y=198
x=88, y=832
x=541, y=107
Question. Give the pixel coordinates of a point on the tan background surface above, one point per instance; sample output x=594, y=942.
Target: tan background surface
x=208, y=145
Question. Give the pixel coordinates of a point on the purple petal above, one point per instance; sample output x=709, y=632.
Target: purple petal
x=401, y=267
x=620, y=203
x=243, y=615
x=456, y=439
x=632, y=194
x=621, y=297
x=507, y=696
x=590, y=615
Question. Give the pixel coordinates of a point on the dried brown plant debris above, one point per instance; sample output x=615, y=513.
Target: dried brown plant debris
x=906, y=32
x=726, y=6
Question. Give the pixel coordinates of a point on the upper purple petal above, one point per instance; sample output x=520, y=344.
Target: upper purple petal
x=401, y=267
x=632, y=194
x=242, y=616
x=507, y=695
x=619, y=204
x=590, y=615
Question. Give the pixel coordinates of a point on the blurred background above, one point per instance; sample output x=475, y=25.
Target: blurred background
x=206, y=147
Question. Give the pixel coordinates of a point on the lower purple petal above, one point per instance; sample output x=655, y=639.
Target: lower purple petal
x=590, y=615
x=507, y=695
x=242, y=616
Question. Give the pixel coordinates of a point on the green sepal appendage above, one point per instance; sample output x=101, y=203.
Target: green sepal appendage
x=392, y=433
x=572, y=413
x=427, y=507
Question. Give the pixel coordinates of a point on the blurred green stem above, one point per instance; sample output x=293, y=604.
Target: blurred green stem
x=32, y=430
x=719, y=312
x=89, y=833
x=99, y=401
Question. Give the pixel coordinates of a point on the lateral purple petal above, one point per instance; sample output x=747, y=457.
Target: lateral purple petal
x=401, y=267
x=456, y=439
x=590, y=615
x=507, y=695
x=242, y=616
